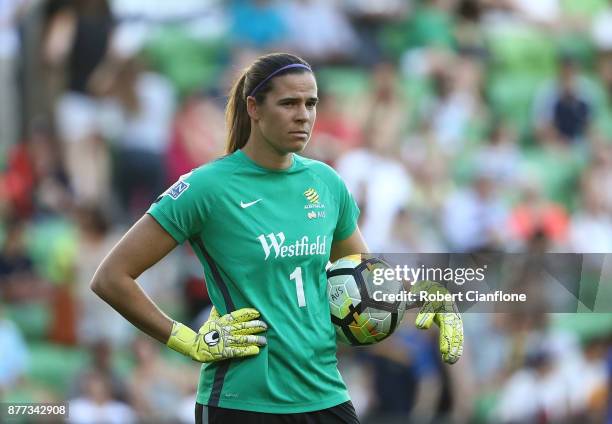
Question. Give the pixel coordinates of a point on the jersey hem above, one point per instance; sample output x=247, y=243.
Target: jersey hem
x=294, y=408
x=168, y=225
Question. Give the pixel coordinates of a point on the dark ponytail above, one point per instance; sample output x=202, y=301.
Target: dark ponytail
x=236, y=116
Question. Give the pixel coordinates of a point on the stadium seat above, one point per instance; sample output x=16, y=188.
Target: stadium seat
x=426, y=27
x=52, y=245
x=55, y=367
x=347, y=83
x=190, y=64
x=558, y=174
x=584, y=8
x=585, y=325
x=511, y=96
x=32, y=318
x=522, y=50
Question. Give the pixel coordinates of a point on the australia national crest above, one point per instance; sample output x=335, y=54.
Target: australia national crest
x=313, y=205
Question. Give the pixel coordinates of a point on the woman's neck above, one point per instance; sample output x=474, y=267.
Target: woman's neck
x=266, y=156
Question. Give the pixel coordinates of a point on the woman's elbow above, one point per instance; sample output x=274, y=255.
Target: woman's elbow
x=101, y=282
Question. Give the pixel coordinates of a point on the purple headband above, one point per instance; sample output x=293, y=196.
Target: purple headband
x=293, y=65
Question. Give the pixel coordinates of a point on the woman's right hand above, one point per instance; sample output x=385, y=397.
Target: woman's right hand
x=221, y=337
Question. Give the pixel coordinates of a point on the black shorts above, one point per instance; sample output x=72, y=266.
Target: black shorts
x=339, y=414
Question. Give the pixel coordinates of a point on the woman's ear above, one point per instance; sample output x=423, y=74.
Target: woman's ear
x=252, y=108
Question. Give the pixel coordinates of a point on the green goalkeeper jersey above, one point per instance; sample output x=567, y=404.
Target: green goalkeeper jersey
x=264, y=238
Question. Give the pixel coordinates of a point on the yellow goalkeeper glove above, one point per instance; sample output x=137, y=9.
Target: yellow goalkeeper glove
x=221, y=337
x=446, y=316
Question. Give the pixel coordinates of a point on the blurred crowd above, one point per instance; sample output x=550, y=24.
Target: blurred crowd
x=458, y=125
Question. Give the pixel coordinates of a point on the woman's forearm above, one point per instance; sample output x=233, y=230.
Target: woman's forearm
x=128, y=298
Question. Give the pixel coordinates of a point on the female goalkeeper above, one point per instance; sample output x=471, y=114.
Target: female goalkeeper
x=263, y=222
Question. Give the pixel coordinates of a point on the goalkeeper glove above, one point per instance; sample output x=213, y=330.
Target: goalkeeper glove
x=446, y=316
x=221, y=337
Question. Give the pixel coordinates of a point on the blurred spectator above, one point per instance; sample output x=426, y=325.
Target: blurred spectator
x=591, y=227
x=96, y=405
x=601, y=29
x=535, y=393
x=34, y=182
x=501, y=155
x=609, y=375
x=14, y=361
x=383, y=9
x=412, y=233
x=431, y=171
x=557, y=383
x=381, y=186
x=535, y=215
x=52, y=194
x=205, y=19
x=373, y=174
x=469, y=33
x=455, y=105
x=139, y=105
x=404, y=238
x=384, y=111
x=78, y=37
x=198, y=135
x=432, y=24
x=371, y=21
x=395, y=381
x=10, y=102
x=541, y=12
x=17, y=182
x=195, y=299
x=96, y=238
x=101, y=353
x=597, y=177
x=564, y=109
x=588, y=381
x=319, y=31
x=358, y=378
x=473, y=218
x=502, y=13
x=334, y=133
x=18, y=279
x=489, y=361
x=157, y=386
x=539, y=387
x=604, y=74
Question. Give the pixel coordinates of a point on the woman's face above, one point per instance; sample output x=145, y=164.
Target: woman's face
x=284, y=120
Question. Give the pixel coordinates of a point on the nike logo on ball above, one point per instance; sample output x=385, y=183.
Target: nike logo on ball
x=246, y=205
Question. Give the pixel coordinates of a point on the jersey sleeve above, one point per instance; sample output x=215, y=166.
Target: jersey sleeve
x=348, y=213
x=181, y=209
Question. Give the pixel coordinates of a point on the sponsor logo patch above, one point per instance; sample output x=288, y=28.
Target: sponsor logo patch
x=177, y=189
x=274, y=246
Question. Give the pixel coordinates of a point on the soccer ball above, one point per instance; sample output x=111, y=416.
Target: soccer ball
x=359, y=319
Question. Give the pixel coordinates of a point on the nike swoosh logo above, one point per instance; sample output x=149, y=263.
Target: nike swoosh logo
x=246, y=205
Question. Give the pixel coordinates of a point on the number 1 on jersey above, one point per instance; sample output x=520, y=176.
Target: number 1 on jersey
x=299, y=285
